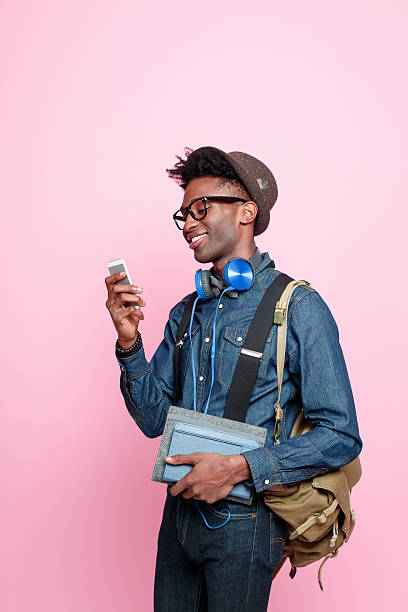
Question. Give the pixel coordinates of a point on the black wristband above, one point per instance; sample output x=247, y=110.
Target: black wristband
x=120, y=352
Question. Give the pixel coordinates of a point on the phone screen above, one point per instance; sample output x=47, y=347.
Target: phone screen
x=119, y=265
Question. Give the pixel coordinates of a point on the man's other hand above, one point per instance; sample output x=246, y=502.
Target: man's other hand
x=213, y=476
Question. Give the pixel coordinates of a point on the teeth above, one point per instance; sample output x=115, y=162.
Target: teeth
x=197, y=238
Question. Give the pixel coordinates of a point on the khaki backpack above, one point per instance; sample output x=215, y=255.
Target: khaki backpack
x=317, y=511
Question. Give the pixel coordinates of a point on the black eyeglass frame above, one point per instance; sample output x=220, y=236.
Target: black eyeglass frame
x=204, y=199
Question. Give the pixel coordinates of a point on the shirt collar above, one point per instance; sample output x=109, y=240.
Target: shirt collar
x=258, y=260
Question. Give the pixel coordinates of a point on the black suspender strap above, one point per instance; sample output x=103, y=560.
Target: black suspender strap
x=250, y=356
x=179, y=342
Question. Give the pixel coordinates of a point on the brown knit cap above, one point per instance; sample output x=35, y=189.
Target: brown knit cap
x=257, y=179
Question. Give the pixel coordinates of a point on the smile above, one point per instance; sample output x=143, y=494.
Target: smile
x=196, y=240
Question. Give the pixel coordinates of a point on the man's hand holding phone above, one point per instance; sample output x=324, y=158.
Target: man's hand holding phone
x=125, y=318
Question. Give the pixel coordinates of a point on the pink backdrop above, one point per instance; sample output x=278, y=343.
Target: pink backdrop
x=97, y=98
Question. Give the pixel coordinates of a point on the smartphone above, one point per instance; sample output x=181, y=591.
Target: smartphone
x=119, y=265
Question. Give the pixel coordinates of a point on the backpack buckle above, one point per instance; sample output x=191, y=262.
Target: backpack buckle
x=279, y=315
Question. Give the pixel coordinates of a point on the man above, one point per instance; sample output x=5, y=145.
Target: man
x=227, y=201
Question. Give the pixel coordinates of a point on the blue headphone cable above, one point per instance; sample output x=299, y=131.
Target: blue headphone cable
x=205, y=520
x=212, y=382
x=213, y=349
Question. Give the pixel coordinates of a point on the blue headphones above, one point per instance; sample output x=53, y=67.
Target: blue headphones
x=239, y=275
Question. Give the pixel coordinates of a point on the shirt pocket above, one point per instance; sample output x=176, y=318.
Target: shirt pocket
x=185, y=353
x=232, y=342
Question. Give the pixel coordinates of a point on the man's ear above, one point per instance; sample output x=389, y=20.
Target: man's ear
x=249, y=210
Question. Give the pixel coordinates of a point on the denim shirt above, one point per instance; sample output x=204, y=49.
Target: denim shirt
x=315, y=378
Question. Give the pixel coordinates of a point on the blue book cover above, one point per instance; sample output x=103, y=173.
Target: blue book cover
x=187, y=431
x=188, y=438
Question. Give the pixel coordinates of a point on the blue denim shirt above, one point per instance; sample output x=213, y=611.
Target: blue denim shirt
x=315, y=377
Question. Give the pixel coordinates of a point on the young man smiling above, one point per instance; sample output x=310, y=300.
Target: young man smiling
x=227, y=201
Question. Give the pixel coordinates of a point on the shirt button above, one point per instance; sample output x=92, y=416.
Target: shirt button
x=201, y=378
x=220, y=305
x=185, y=334
x=207, y=339
x=239, y=338
x=266, y=481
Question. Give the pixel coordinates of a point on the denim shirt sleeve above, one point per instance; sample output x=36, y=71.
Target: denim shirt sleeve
x=148, y=388
x=317, y=367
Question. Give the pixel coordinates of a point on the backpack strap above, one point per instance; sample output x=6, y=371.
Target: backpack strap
x=281, y=319
x=179, y=343
x=249, y=360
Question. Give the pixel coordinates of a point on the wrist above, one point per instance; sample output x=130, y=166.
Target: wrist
x=239, y=468
x=126, y=344
x=131, y=350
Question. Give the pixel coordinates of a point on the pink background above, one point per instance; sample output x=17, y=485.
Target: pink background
x=97, y=98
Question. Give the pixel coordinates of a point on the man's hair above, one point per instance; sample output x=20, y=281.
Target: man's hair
x=206, y=164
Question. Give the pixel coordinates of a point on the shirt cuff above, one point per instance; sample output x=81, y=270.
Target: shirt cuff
x=134, y=365
x=263, y=468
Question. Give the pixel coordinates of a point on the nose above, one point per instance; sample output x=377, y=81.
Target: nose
x=189, y=224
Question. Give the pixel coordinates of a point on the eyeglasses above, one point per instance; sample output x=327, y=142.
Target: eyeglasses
x=198, y=208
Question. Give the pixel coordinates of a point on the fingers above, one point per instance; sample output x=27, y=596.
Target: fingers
x=181, y=485
x=123, y=313
x=120, y=294
x=185, y=482
x=113, y=286
x=112, y=279
x=126, y=305
x=119, y=288
x=120, y=301
x=190, y=459
x=128, y=297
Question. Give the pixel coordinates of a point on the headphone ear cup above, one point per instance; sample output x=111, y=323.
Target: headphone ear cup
x=206, y=285
x=239, y=273
x=203, y=285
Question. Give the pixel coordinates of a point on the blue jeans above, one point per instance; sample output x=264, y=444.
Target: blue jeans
x=230, y=568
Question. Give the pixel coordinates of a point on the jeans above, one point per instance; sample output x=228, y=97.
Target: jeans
x=200, y=569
